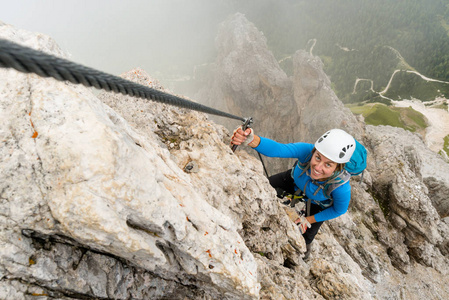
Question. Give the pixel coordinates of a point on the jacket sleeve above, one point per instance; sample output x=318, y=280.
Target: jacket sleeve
x=341, y=196
x=272, y=148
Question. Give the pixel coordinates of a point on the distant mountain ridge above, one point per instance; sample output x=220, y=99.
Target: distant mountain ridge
x=416, y=29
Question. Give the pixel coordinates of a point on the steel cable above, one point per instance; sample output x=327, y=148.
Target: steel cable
x=28, y=60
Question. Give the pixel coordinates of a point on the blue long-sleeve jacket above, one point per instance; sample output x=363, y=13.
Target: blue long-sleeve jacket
x=301, y=151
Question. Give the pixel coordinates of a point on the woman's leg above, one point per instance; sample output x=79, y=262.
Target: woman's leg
x=311, y=232
x=283, y=182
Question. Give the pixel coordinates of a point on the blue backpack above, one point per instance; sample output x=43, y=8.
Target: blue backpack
x=354, y=167
x=357, y=164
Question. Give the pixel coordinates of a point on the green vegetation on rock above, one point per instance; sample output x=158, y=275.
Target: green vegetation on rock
x=446, y=145
x=381, y=114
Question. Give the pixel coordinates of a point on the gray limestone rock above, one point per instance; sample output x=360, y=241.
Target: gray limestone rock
x=248, y=80
x=96, y=201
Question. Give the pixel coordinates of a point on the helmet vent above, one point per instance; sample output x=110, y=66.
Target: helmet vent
x=343, y=150
x=323, y=137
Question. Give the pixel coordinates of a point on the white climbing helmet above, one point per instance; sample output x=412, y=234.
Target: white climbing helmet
x=337, y=145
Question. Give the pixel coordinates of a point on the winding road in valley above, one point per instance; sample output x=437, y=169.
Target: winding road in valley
x=438, y=118
x=407, y=69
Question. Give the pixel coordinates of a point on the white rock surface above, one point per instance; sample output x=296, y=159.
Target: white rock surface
x=71, y=166
x=438, y=119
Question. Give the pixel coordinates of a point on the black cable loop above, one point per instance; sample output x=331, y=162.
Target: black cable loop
x=28, y=60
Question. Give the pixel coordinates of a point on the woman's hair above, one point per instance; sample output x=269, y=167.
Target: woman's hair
x=339, y=167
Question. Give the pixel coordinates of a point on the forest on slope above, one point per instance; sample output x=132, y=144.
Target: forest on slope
x=362, y=39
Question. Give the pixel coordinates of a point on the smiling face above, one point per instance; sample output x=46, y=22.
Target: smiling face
x=321, y=167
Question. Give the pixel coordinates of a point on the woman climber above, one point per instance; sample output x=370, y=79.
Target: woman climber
x=317, y=165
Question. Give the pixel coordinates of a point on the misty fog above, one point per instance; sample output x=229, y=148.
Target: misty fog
x=163, y=37
x=168, y=38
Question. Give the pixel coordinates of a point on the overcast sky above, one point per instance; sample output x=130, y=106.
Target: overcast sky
x=117, y=35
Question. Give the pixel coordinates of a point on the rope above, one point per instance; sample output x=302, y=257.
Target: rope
x=28, y=60
x=263, y=165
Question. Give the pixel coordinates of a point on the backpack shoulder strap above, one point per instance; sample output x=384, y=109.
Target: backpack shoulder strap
x=304, y=166
x=336, y=182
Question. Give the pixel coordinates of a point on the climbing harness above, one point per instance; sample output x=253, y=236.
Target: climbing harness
x=292, y=199
x=27, y=60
